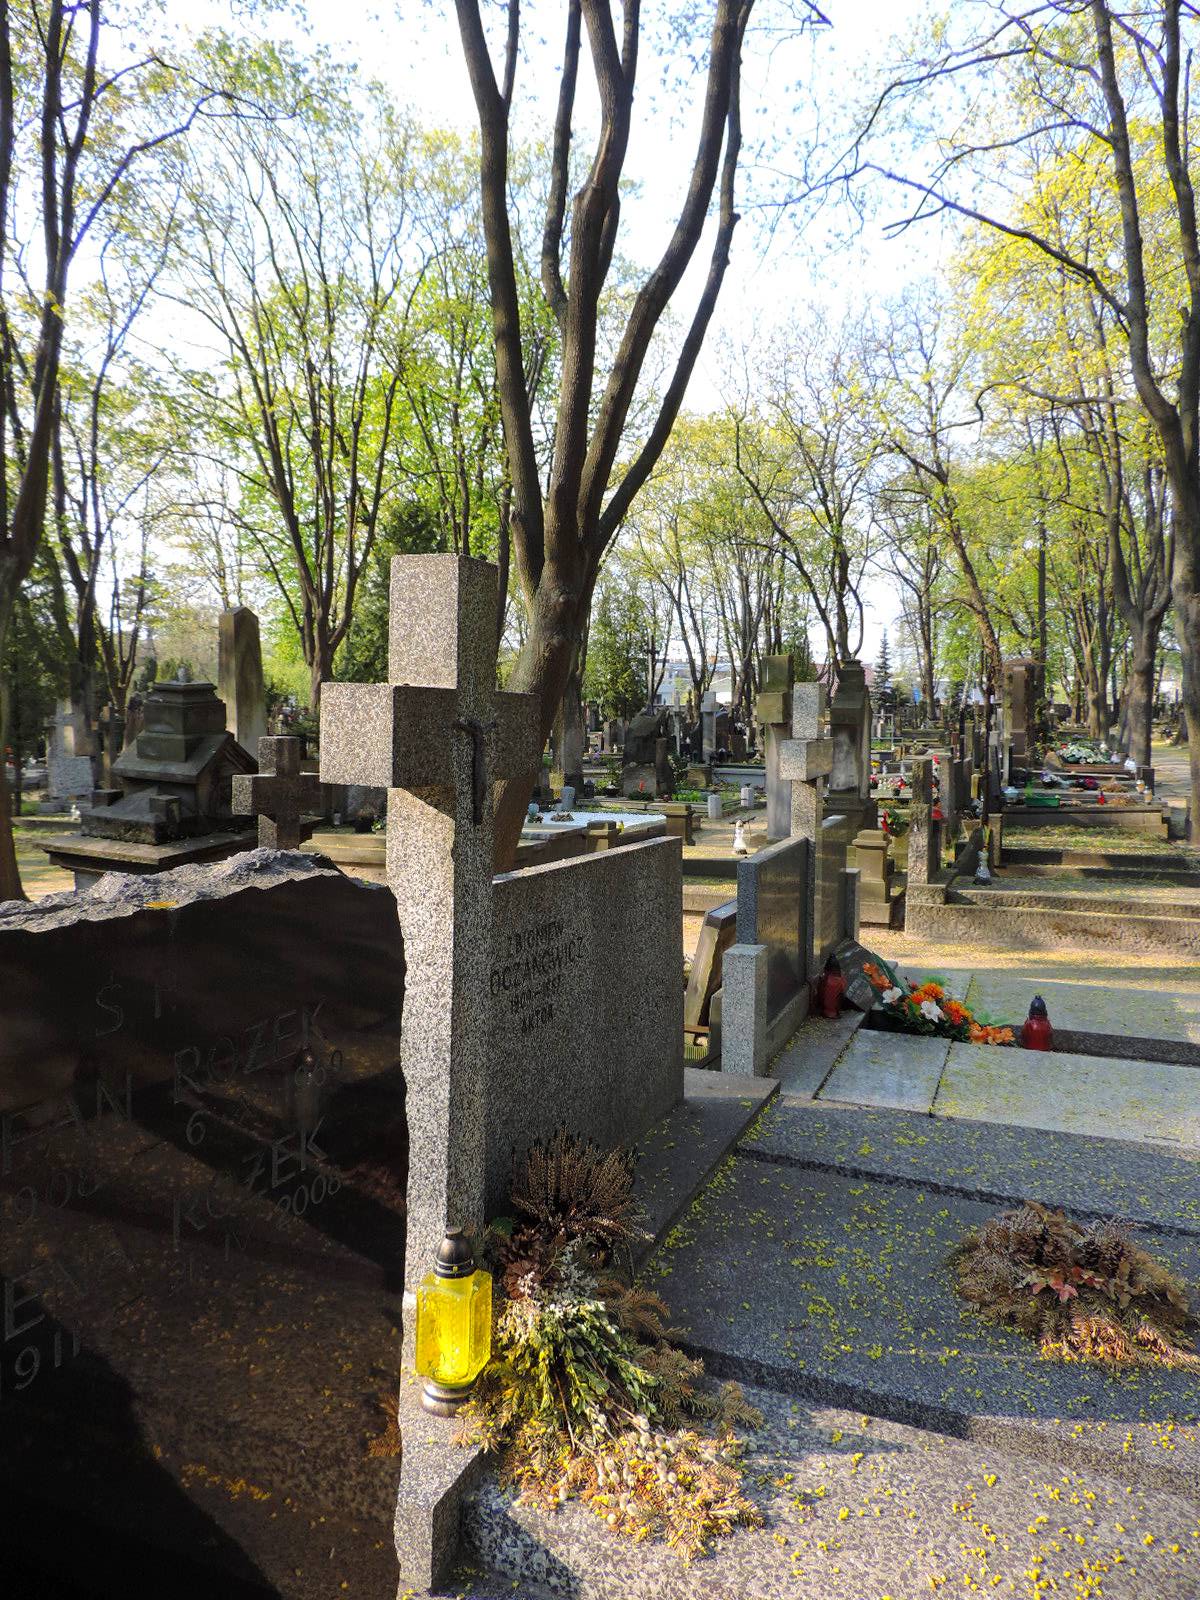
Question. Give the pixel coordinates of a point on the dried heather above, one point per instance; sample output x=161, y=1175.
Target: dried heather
x=1083, y=1291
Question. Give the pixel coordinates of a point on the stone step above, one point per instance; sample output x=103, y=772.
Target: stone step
x=855, y=1507
x=975, y=916
x=1155, y=901
x=1104, y=861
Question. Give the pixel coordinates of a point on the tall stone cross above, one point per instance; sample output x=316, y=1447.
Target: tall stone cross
x=807, y=760
x=434, y=736
x=774, y=711
x=280, y=794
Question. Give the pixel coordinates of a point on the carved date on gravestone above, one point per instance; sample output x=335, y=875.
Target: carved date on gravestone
x=535, y=964
x=202, y=1165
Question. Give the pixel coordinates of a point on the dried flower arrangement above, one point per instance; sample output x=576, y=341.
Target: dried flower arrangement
x=586, y=1396
x=1085, y=1292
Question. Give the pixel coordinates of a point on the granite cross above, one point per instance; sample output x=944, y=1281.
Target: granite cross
x=774, y=712
x=807, y=759
x=433, y=736
x=280, y=794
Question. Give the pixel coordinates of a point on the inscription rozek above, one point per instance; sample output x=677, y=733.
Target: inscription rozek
x=536, y=960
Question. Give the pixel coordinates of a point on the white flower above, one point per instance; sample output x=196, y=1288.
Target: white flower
x=890, y=996
x=931, y=1009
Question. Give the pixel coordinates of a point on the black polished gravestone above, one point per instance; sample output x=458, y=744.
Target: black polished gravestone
x=203, y=1159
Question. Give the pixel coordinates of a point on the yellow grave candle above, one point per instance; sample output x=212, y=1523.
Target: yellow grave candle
x=454, y=1325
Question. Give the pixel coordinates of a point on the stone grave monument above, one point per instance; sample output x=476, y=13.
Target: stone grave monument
x=647, y=772
x=174, y=803
x=69, y=775
x=240, y=676
x=849, y=790
x=280, y=795
x=202, y=1170
x=774, y=712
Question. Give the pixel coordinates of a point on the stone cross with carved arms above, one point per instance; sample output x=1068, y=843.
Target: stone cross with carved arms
x=280, y=794
x=434, y=736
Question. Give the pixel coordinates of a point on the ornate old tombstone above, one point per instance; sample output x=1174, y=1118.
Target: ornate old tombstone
x=172, y=799
x=849, y=792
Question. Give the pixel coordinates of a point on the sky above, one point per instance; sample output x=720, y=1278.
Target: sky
x=791, y=87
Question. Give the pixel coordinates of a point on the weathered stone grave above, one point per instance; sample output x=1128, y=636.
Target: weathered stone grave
x=540, y=999
x=174, y=803
x=240, y=676
x=774, y=710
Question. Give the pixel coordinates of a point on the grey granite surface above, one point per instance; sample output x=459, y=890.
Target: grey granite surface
x=858, y=1508
x=987, y=1161
x=838, y=1288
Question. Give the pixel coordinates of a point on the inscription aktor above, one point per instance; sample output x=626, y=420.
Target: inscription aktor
x=539, y=957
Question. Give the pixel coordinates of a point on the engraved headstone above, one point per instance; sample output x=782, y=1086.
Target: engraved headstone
x=433, y=737
x=240, y=675
x=202, y=1168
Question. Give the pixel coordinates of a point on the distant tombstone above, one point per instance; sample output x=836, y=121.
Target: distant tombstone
x=647, y=768
x=279, y=794
x=240, y=676
x=850, y=730
x=708, y=725
x=774, y=711
x=924, y=833
x=69, y=774
x=1020, y=677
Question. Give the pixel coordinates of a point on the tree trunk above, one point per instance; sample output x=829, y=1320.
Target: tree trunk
x=1139, y=702
x=556, y=618
x=572, y=741
x=320, y=670
x=10, y=876
x=1187, y=628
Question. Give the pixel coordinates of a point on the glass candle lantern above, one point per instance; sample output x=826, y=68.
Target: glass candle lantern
x=454, y=1326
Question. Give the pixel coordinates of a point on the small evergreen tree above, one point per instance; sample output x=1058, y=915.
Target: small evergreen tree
x=883, y=690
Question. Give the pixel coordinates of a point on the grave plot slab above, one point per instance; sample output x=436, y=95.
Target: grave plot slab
x=900, y=1070
x=807, y=1059
x=857, y=1507
x=837, y=1289
x=1149, y=1101
x=986, y=1161
x=203, y=1149
x=1101, y=1000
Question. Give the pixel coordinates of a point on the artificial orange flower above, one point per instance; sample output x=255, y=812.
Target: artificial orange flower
x=955, y=1012
x=928, y=991
x=879, y=979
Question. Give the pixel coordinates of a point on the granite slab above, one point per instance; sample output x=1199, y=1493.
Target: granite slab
x=809, y=1055
x=857, y=1507
x=888, y=1069
x=986, y=1161
x=1147, y=1101
x=836, y=1288
x=1098, y=999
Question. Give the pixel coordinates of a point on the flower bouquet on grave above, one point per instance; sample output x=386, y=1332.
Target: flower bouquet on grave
x=928, y=1009
x=892, y=824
